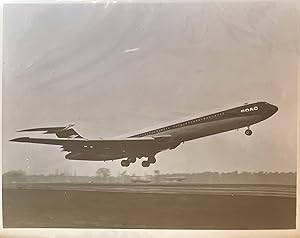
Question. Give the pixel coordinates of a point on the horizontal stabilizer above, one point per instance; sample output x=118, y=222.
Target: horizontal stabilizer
x=61, y=132
x=48, y=130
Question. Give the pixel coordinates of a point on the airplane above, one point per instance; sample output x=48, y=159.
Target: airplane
x=150, y=142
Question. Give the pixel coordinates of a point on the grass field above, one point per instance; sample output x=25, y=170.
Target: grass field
x=96, y=209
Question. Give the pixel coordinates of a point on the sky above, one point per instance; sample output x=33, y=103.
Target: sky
x=116, y=68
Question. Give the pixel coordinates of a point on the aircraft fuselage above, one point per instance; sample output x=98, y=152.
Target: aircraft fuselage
x=198, y=127
x=222, y=121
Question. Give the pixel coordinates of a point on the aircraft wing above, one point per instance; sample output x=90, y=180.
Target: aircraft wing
x=76, y=141
x=69, y=140
x=70, y=144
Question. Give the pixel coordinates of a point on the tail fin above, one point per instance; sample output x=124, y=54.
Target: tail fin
x=61, y=132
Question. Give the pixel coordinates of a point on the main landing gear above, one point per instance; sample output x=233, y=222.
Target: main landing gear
x=248, y=132
x=127, y=162
x=151, y=160
x=131, y=160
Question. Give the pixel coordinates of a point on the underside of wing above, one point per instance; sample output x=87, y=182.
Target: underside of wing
x=104, y=147
x=81, y=141
x=40, y=141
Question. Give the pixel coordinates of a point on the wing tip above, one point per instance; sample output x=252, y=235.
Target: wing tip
x=19, y=139
x=46, y=129
x=22, y=130
x=32, y=130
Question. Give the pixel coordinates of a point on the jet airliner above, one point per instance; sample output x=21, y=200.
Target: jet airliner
x=150, y=142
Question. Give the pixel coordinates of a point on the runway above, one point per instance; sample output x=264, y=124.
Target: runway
x=201, y=189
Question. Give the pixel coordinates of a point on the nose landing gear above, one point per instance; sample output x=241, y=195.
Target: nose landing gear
x=248, y=132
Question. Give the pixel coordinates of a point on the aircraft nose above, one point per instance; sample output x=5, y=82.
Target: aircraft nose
x=273, y=109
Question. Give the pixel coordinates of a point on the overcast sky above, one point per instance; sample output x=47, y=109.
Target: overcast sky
x=116, y=68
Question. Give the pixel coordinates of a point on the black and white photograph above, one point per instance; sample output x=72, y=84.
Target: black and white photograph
x=150, y=115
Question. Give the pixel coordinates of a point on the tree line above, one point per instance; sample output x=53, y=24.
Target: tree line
x=104, y=175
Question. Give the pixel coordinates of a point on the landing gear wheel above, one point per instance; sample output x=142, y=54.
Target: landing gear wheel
x=152, y=160
x=145, y=163
x=125, y=163
x=132, y=160
x=248, y=132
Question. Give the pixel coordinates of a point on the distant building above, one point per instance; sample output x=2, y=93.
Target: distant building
x=140, y=179
x=175, y=178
